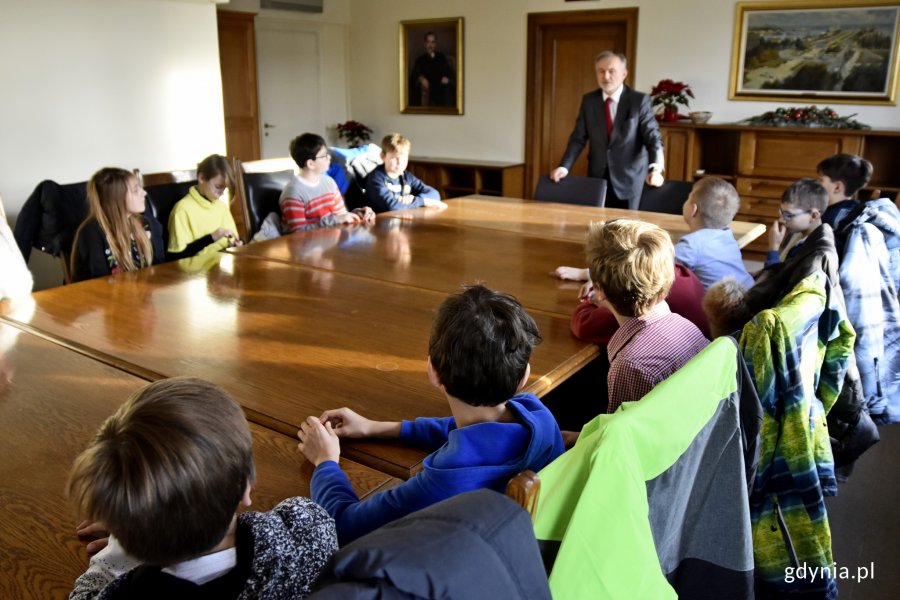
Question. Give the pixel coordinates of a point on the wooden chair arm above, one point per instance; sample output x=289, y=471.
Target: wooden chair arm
x=525, y=489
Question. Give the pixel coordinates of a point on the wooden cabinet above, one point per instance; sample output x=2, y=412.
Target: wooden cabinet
x=762, y=161
x=456, y=177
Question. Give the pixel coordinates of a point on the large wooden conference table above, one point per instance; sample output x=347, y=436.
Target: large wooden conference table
x=553, y=220
x=52, y=400
x=509, y=244
x=337, y=317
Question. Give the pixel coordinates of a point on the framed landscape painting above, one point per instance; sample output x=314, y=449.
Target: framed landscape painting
x=827, y=50
x=431, y=66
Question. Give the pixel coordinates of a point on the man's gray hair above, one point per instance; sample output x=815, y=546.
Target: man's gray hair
x=610, y=54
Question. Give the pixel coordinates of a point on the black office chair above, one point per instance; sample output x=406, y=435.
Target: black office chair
x=163, y=199
x=262, y=191
x=668, y=198
x=573, y=189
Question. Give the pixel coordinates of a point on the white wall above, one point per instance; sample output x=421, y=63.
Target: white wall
x=688, y=40
x=130, y=83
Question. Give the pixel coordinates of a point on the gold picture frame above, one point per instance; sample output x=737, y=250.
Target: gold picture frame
x=816, y=51
x=431, y=66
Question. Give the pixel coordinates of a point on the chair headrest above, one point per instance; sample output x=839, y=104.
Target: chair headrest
x=262, y=191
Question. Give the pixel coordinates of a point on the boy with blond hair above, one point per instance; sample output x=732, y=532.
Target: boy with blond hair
x=164, y=477
x=710, y=250
x=632, y=268
x=390, y=187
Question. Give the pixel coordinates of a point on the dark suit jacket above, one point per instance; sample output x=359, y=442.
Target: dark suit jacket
x=635, y=139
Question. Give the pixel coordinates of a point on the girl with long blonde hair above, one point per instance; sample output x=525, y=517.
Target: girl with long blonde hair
x=116, y=236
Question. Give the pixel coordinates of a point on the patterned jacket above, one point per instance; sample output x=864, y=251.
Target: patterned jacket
x=849, y=424
x=798, y=365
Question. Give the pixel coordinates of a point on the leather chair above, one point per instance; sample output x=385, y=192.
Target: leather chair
x=668, y=198
x=573, y=189
x=49, y=219
x=258, y=187
x=164, y=190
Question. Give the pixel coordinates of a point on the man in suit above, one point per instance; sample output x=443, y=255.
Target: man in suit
x=620, y=125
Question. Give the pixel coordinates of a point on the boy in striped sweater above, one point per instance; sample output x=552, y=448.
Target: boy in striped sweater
x=311, y=199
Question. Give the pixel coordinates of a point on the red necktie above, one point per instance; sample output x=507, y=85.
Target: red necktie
x=609, y=118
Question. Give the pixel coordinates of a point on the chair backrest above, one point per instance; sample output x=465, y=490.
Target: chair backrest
x=164, y=190
x=49, y=219
x=357, y=164
x=525, y=489
x=480, y=534
x=573, y=189
x=258, y=189
x=668, y=198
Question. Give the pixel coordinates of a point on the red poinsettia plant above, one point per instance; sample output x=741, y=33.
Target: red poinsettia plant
x=354, y=132
x=668, y=94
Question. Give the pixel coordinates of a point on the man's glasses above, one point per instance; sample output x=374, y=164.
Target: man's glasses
x=787, y=215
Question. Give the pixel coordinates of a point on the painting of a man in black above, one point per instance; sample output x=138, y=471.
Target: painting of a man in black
x=432, y=81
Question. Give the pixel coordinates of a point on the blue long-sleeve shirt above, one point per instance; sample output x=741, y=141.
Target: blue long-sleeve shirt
x=712, y=254
x=482, y=455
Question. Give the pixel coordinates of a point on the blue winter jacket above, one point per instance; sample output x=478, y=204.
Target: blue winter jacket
x=483, y=455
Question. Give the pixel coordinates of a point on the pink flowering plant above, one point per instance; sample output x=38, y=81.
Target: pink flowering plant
x=354, y=132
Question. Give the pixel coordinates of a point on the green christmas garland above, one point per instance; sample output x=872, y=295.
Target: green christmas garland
x=806, y=116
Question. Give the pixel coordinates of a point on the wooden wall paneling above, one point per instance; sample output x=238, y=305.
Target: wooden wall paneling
x=237, y=61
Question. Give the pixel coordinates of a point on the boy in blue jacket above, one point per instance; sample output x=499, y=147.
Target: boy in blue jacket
x=481, y=342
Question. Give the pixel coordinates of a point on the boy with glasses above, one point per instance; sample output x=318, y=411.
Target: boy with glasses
x=802, y=205
x=312, y=199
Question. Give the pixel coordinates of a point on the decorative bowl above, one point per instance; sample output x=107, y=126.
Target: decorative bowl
x=701, y=116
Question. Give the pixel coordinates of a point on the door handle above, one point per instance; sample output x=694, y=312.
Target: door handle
x=267, y=126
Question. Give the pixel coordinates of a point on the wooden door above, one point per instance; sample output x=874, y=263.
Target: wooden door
x=561, y=51
x=237, y=61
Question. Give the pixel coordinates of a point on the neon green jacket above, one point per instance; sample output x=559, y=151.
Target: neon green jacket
x=658, y=490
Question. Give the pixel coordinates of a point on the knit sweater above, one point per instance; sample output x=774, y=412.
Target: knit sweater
x=280, y=554
x=192, y=223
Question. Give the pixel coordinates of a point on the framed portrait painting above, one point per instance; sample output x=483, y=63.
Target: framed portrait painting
x=431, y=66
x=823, y=50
